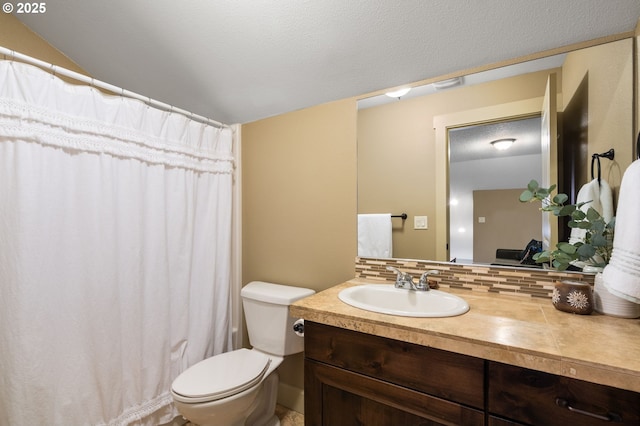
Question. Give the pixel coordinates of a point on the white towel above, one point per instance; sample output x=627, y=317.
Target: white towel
x=622, y=275
x=374, y=235
x=598, y=196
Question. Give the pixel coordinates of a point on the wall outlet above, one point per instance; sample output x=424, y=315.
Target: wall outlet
x=420, y=222
x=481, y=219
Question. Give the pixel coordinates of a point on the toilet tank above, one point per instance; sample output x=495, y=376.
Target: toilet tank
x=266, y=311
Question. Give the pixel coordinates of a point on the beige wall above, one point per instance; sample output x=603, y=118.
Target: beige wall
x=299, y=197
x=499, y=230
x=299, y=204
x=397, y=154
x=16, y=36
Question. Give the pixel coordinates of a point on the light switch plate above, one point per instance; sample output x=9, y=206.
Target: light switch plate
x=481, y=219
x=420, y=222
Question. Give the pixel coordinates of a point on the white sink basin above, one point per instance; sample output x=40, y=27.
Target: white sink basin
x=386, y=299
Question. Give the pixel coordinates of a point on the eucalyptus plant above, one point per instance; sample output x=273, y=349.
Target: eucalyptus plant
x=598, y=242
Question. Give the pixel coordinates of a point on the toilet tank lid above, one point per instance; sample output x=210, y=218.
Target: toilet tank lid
x=274, y=293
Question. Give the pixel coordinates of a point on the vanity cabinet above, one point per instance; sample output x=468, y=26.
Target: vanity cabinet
x=353, y=378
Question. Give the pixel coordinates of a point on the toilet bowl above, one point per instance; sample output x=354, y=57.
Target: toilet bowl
x=240, y=387
x=222, y=390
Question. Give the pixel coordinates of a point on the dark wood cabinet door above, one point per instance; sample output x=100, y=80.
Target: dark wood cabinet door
x=336, y=397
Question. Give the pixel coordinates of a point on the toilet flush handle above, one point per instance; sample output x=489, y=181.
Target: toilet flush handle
x=298, y=327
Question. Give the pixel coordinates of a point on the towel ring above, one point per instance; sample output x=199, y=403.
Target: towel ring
x=596, y=158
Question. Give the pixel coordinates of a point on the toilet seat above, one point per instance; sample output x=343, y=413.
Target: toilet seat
x=220, y=376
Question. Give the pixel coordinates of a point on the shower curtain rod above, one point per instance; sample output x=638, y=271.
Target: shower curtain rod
x=56, y=70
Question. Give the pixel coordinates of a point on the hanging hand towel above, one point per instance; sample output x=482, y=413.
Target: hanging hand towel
x=597, y=195
x=622, y=275
x=374, y=235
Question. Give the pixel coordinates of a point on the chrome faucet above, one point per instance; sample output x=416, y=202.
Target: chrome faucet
x=423, y=284
x=403, y=279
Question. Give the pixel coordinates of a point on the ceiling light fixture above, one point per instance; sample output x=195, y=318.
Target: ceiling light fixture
x=398, y=93
x=445, y=84
x=502, y=144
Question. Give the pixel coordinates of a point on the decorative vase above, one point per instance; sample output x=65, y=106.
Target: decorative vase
x=573, y=296
x=610, y=304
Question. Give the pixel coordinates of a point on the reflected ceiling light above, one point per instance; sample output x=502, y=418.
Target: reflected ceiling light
x=445, y=84
x=398, y=93
x=502, y=144
x=453, y=202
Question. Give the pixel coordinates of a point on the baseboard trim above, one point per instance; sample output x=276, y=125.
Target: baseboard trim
x=291, y=397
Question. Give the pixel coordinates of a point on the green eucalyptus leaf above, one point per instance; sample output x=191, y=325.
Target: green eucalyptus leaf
x=593, y=231
x=567, y=248
x=593, y=215
x=541, y=193
x=560, y=198
x=586, y=251
x=560, y=266
x=582, y=225
x=561, y=256
x=578, y=214
x=542, y=257
x=566, y=210
x=526, y=196
x=599, y=240
x=557, y=210
x=598, y=226
x=533, y=185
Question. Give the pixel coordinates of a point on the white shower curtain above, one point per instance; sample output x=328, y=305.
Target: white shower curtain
x=115, y=234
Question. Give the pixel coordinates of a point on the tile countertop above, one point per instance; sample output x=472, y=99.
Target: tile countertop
x=514, y=330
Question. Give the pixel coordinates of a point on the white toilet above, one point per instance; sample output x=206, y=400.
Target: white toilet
x=240, y=387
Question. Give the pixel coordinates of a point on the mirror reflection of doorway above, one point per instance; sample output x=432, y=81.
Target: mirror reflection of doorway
x=573, y=150
x=484, y=184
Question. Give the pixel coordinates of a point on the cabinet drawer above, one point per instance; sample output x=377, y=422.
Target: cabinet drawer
x=538, y=398
x=440, y=373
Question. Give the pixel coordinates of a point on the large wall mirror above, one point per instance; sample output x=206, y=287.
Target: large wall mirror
x=431, y=147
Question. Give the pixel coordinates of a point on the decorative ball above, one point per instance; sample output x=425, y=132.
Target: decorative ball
x=573, y=296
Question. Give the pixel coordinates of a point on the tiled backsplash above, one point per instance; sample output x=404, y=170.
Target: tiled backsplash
x=514, y=281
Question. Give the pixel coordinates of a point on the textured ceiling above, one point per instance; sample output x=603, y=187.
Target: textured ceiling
x=242, y=60
x=474, y=142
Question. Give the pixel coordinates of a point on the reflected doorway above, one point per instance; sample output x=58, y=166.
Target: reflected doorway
x=484, y=184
